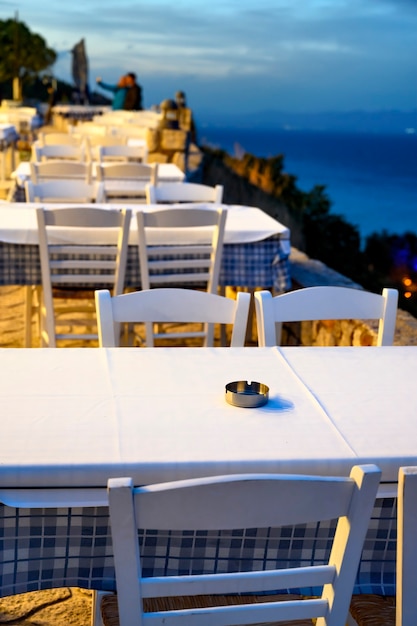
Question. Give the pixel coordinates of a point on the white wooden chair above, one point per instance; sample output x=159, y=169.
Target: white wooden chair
x=230, y=502
x=60, y=169
x=68, y=258
x=183, y=192
x=171, y=305
x=190, y=255
x=123, y=152
x=195, y=232
x=74, y=152
x=324, y=303
x=59, y=190
x=53, y=139
x=124, y=181
x=96, y=141
x=401, y=610
x=85, y=130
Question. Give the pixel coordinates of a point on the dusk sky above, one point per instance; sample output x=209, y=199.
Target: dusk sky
x=246, y=55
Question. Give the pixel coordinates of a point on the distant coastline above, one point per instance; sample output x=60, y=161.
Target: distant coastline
x=379, y=121
x=370, y=178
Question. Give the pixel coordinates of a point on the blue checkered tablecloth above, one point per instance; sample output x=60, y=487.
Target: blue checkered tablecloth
x=45, y=548
x=256, y=264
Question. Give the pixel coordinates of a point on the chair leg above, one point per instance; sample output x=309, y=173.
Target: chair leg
x=250, y=339
x=28, y=295
x=97, y=596
x=223, y=336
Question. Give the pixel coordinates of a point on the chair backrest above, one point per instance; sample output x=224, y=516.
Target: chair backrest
x=190, y=251
x=142, y=172
x=88, y=129
x=70, y=190
x=122, y=152
x=96, y=141
x=406, y=599
x=183, y=192
x=242, y=501
x=325, y=303
x=51, y=139
x=126, y=180
x=68, y=257
x=78, y=152
x=171, y=305
x=59, y=169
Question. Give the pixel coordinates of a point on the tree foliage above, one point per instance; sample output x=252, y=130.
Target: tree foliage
x=24, y=54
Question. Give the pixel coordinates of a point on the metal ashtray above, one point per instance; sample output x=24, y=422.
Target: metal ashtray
x=247, y=394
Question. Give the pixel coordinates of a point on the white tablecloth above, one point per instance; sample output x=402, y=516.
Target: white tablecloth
x=167, y=172
x=21, y=116
x=8, y=133
x=76, y=417
x=243, y=224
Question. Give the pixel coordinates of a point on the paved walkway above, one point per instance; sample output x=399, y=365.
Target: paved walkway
x=55, y=607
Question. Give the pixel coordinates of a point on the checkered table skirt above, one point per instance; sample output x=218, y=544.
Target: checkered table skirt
x=45, y=548
x=256, y=264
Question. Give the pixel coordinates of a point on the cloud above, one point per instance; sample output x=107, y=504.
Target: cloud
x=293, y=51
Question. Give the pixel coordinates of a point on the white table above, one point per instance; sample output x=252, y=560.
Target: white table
x=73, y=113
x=255, y=253
x=23, y=118
x=76, y=417
x=87, y=414
x=167, y=172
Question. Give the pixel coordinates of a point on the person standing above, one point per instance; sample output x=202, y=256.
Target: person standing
x=133, y=100
x=119, y=90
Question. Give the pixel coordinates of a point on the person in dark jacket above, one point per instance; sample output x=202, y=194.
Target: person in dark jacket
x=133, y=99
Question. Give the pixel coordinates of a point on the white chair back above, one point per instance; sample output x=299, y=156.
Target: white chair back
x=122, y=152
x=241, y=501
x=60, y=139
x=78, y=152
x=190, y=253
x=180, y=247
x=124, y=181
x=87, y=130
x=401, y=609
x=60, y=169
x=406, y=597
x=70, y=258
x=186, y=306
x=183, y=192
x=325, y=303
x=70, y=190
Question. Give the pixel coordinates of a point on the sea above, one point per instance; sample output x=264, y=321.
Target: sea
x=370, y=179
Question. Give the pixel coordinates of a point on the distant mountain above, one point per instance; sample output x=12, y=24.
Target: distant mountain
x=352, y=121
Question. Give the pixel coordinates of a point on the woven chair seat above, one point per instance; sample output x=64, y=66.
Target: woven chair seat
x=110, y=615
x=373, y=610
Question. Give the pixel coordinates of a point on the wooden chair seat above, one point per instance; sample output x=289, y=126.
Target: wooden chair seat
x=372, y=610
x=110, y=612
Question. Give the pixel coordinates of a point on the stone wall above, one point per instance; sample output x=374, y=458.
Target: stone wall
x=305, y=272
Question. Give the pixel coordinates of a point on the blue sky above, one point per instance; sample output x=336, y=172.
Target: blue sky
x=246, y=55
